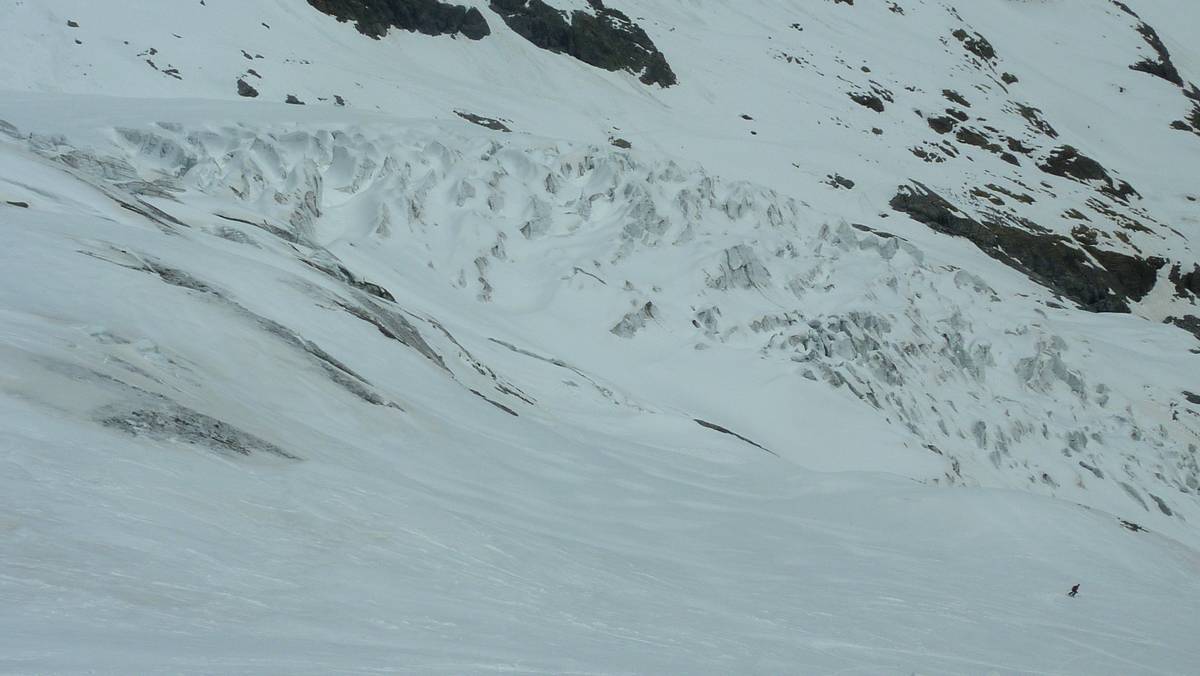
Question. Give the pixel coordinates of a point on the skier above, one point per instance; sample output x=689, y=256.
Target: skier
x=1074, y=591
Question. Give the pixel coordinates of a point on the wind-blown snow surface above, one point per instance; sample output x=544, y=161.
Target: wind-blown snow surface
x=323, y=389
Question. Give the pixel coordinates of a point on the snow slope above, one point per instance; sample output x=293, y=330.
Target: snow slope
x=363, y=388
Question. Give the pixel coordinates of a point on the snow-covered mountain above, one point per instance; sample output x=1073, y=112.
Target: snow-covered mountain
x=673, y=336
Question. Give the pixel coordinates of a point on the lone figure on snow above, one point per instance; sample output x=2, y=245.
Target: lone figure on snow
x=1074, y=591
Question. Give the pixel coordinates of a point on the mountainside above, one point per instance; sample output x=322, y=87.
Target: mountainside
x=599, y=337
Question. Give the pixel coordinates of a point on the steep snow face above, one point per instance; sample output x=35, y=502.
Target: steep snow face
x=1002, y=388
x=240, y=437
x=490, y=359
x=1049, y=144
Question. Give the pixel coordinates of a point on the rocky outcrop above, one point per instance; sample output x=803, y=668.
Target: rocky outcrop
x=1162, y=66
x=1049, y=259
x=723, y=430
x=486, y=122
x=976, y=44
x=606, y=39
x=1067, y=162
x=1187, y=284
x=868, y=101
x=429, y=17
x=1189, y=323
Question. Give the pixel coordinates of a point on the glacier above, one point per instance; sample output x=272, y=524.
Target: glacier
x=440, y=377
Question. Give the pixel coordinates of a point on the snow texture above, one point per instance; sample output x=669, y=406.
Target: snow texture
x=432, y=375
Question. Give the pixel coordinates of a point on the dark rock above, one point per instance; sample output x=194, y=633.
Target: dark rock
x=244, y=89
x=942, y=125
x=1193, y=117
x=1189, y=323
x=608, y=39
x=1131, y=526
x=973, y=137
x=374, y=289
x=1125, y=8
x=22, y=205
x=374, y=18
x=1009, y=78
x=1131, y=276
x=1018, y=147
x=1049, y=259
x=1085, y=235
x=839, y=181
x=482, y=121
x=1067, y=162
x=1162, y=66
x=976, y=44
x=291, y=98
x=954, y=96
x=1034, y=117
x=621, y=143
x=878, y=233
x=1186, y=283
x=1020, y=197
x=983, y=194
x=717, y=428
x=868, y=101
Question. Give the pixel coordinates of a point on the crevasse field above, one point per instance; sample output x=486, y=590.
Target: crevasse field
x=371, y=388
